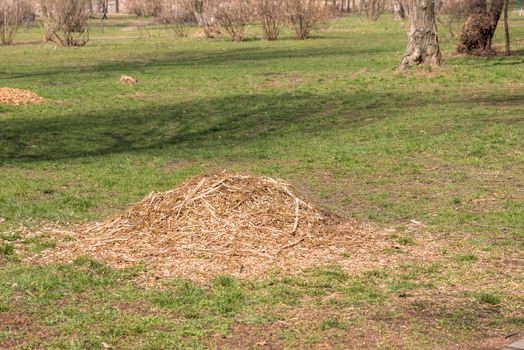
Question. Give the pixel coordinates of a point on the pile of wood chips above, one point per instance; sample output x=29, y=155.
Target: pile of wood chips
x=18, y=97
x=231, y=223
x=127, y=80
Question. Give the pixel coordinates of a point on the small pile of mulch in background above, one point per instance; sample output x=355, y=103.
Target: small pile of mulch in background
x=215, y=33
x=18, y=97
x=231, y=223
x=127, y=80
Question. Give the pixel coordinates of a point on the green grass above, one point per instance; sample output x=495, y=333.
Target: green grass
x=437, y=156
x=6, y=249
x=333, y=323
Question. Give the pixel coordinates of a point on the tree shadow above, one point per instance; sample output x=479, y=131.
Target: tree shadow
x=205, y=57
x=213, y=126
x=201, y=126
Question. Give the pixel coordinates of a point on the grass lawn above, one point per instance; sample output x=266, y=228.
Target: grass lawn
x=434, y=158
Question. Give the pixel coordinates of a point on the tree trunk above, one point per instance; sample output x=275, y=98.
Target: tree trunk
x=506, y=28
x=117, y=6
x=398, y=10
x=479, y=27
x=205, y=20
x=423, y=44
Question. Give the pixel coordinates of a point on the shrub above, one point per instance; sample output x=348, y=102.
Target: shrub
x=305, y=16
x=451, y=14
x=233, y=16
x=12, y=14
x=143, y=8
x=269, y=12
x=27, y=12
x=371, y=9
x=176, y=17
x=66, y=22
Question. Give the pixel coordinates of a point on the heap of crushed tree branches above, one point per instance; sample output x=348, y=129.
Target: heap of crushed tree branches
x=221, y=223
x=18, y=96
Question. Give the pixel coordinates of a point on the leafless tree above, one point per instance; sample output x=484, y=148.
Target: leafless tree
x=145, y=7
x=371, y=9
x=233, y=16
x=450, y=14
x=269, y=12
x=66, y=22
x=11, y=16
x=28, y=13
x=305, y=16
x=507, y=51
x=177, y=17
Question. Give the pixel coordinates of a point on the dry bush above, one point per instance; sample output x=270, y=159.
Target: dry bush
x=27, y=12
x=12, y=14
x=269, y=12
x=305, y=16
x=66, y=22
x=177, y=17
x=143, y=8
x=371, y=9
x=233, y=16
x=451, y=14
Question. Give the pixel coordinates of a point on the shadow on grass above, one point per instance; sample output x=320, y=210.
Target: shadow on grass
x=201, y=58
x=198, y=127
x=214, y=126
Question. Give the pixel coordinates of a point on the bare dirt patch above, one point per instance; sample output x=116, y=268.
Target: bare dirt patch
x=17, y=97
x=19, y=328
x=281, y=81
x=435, y=318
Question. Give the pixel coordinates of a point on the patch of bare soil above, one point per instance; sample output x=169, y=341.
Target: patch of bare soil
x=221, y=223
x=19, y=328
x=401, y=323
x=17, y=97
x=281, y=81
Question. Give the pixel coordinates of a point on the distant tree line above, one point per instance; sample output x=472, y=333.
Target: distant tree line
x=66, y=22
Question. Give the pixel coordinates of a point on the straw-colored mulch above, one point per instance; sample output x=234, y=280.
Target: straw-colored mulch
x=127, y=80
x=223, y=223
x=18, y=97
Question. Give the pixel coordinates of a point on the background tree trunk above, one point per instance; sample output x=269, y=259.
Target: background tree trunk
x=398, y=10
x=479, y=27
x=423, y=44
x=506, y=27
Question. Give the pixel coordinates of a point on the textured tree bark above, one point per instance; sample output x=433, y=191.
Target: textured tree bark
x=423, y=46
x=398, y=10
x=479, y=26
